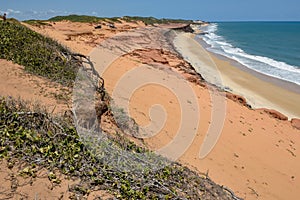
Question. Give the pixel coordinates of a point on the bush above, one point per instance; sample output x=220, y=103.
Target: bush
x=38, y=54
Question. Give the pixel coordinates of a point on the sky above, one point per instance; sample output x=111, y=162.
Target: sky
x=208, y=10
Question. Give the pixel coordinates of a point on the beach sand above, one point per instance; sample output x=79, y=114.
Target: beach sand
x=256, y=156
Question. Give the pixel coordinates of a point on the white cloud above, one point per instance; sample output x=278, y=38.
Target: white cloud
x=94, y=13
x=32, y=14
x=9, y=11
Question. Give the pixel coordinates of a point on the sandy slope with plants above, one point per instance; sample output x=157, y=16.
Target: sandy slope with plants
x=16, y=186
x=257, y=156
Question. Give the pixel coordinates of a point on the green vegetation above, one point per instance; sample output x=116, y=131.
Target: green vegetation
x=83, y=18
x=37, y=22
x=152, y=20
x=76, y=18
x=93, y=19
x=34, y=139
x=38, y=54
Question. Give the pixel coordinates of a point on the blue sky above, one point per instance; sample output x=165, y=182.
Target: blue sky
x=209, y=10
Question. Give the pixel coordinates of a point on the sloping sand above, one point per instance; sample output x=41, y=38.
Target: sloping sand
x=257, y=156
x=81, y=37
x=17, y=83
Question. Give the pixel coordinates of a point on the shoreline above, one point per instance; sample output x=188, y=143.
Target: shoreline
x=238, y=79
x=293, y=87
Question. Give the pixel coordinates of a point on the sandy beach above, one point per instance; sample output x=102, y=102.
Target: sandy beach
x=257, y=88
x=252, y=153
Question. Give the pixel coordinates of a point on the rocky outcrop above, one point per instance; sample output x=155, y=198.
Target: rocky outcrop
x=98, y=27
x=186, y=28
x=274, y=113
x=295, y=123
x=236, y=98
x=148, y=56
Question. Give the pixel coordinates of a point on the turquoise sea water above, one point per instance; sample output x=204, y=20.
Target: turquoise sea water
x=272, y=48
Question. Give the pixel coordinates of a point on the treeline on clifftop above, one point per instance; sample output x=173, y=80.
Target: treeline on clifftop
x=93, y=19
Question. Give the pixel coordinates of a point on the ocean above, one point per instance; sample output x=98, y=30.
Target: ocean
x=271, y=48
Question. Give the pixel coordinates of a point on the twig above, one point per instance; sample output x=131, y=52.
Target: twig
x=231, y=193
x=155, y=181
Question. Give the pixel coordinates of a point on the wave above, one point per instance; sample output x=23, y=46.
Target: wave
x=269, y=66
